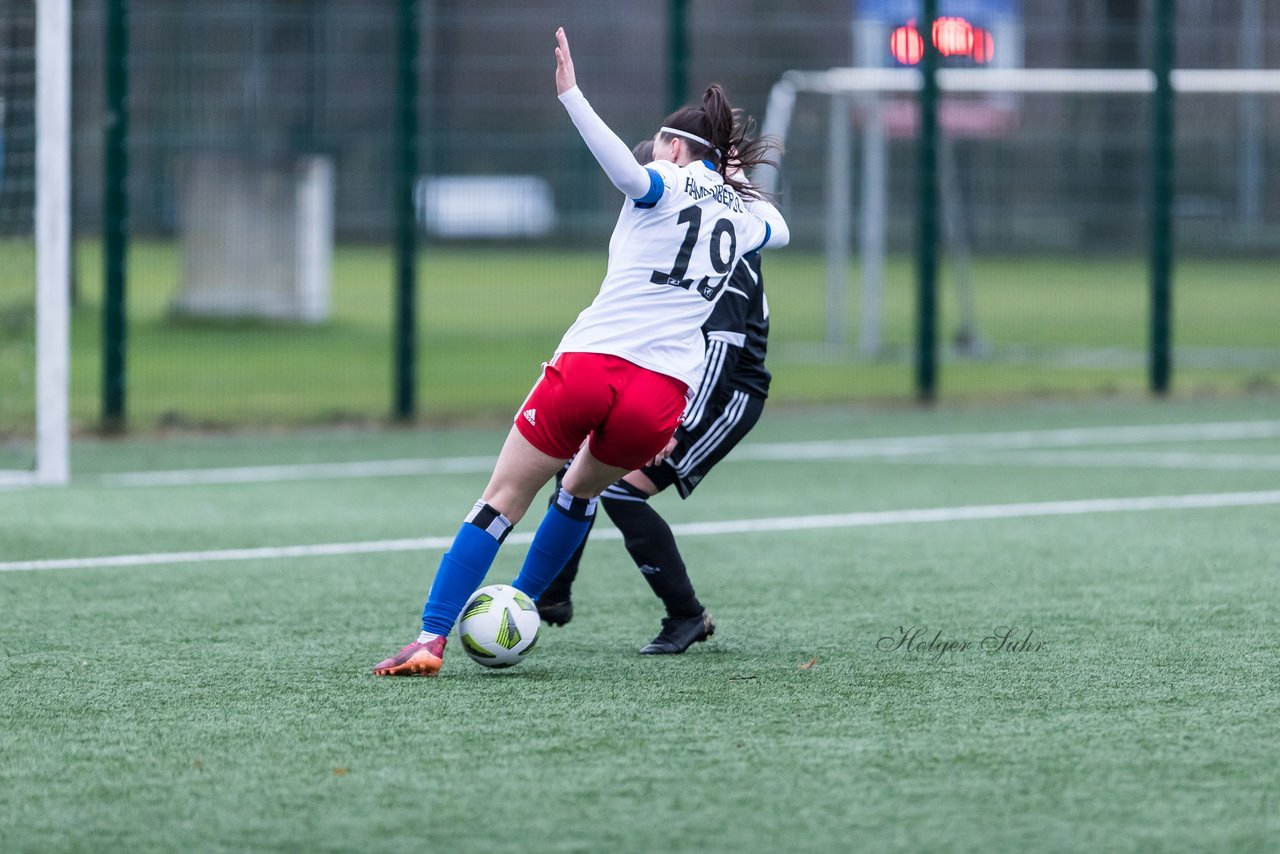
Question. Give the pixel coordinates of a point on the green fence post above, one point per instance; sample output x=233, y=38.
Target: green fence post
x=927, y=215
x=406, y=243
x=1162, y=199
x=115, y=227
x=677, y=53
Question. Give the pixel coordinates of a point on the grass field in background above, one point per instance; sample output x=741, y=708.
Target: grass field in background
x=490, y=316
x=227, y=705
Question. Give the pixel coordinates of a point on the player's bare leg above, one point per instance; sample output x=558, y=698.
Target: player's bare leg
x=520, y=472
x=587, y=477
x=641, y=481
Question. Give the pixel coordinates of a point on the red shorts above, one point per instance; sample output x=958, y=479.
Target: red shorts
x=628, y=411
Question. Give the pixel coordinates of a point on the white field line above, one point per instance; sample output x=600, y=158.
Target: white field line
x=303, y=471
x=871, y=449
x=1102, y=459
x=1070, y=437
x=689, y=529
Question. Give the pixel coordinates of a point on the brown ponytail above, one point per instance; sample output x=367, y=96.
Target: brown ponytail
x=730, y=134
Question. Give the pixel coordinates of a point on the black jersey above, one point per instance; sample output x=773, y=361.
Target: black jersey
x=737, y=336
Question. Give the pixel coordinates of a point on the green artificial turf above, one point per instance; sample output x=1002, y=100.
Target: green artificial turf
x=228, y=706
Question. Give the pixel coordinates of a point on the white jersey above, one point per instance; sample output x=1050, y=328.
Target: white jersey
x=669, y=258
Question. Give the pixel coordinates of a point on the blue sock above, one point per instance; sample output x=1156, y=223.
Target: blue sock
x=563, y=529
x=464, y=567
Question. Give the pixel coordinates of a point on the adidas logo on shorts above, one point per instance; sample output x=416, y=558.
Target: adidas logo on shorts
x=529, y=415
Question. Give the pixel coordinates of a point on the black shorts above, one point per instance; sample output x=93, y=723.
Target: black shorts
x=699, y=449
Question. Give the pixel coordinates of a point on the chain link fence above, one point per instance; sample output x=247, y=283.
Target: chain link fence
x=261, y=202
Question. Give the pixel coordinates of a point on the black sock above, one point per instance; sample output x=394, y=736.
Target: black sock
x=652, y=546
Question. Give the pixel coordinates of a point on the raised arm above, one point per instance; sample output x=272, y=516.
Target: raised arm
x=779, y=233
x=613, y=155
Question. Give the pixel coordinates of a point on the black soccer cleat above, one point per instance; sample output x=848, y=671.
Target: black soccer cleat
x=680, y=633
x=555, y=613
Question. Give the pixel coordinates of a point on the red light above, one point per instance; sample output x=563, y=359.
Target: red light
x=906, y=44
x=983, y=46
x=951, y=36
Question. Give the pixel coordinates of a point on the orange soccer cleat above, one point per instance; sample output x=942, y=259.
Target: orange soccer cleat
x=420, y=658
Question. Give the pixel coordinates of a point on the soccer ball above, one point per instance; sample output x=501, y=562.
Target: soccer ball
x=499, y=626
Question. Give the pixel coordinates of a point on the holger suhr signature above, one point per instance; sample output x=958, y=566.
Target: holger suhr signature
x=919, y=640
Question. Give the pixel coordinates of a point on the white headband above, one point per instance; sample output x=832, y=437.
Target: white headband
x=692, y=136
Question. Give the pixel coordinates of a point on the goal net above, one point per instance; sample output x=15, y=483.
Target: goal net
x=34, y=240
x=1043, y=187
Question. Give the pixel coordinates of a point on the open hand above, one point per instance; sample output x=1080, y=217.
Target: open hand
x=565, y=78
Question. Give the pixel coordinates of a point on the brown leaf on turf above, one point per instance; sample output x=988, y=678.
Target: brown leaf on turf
x=808, y=664
x=339, y=772
x=197, y=764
